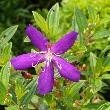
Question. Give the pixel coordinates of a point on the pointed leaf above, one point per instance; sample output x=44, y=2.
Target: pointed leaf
x=40, y=21
x=5, y=74
x=95, y=84
x=3, y=93
x=92, y=13
x=7, y=35
x=6, y=54
x=80, y=19
x=101, y=34
x=53, y=19
x=74, y=88
x=92, y=61
x=27, y=97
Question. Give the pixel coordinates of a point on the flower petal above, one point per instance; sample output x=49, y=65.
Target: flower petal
x=26, y=61
x=66, y=69
x=64, y=43
x=46, y=79
x=37, y=38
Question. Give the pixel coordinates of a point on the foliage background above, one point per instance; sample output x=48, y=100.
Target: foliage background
x=95, y=80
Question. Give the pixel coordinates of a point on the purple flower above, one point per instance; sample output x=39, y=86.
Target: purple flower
x=49, y=54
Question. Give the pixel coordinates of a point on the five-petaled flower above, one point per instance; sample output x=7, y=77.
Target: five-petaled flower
x=50, y=54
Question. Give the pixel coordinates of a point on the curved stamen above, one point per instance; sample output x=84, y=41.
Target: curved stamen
x=37, y=62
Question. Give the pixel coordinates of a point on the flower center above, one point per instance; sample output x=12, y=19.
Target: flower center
x=49, y=55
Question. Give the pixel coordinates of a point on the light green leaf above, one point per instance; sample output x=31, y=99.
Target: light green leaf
x=74, y=25
x=107, y=68
x=101, y=34
x=105, y=20
x=80, y=19
x=95, y=84
x=6, y=54
x=19, y=88
x=92, y=61
x=15, y=107
x=74, y=88
x=98, y=67
x=105, y=76
x=40, y=21
x=92, y=13
x=53, y=20
x=3, y=93
x=5, y=74
x=7, y=35
x=26, y=39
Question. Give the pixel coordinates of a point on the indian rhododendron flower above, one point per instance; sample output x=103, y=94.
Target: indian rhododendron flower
x=50, y=55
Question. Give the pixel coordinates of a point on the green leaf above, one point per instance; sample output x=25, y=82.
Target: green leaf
x=106, y=61
x=3, y=93
x=101, y=34
x=105, y=76
x=93, y=106
x=74, y=88
x=105, y=50
x=19, y=88
x=92, y=61
x=15, y=107
x=5, y=74
x=53, y=20
x=74, y=25
x=80, y=19
x=27, y=97
x=26, y=39
x=105, y=20
x=107, y=68
x=40, y=21
x=7, y=35
x=98, y=67
x=95, y=84
x=92, y=13
x=6, y=54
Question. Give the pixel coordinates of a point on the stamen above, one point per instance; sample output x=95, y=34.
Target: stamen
x=37, y=62
x=59, y=65
x=33, y=55
x=56, y=54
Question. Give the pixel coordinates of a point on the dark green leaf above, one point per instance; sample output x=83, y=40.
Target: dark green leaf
x=27, y=97
x=105, y=50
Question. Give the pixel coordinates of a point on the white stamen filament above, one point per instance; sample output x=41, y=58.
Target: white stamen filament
x=48, y=56
x=59, y=65
x=37, y=62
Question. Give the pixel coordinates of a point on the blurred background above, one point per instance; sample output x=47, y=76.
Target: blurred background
x=19, y=12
